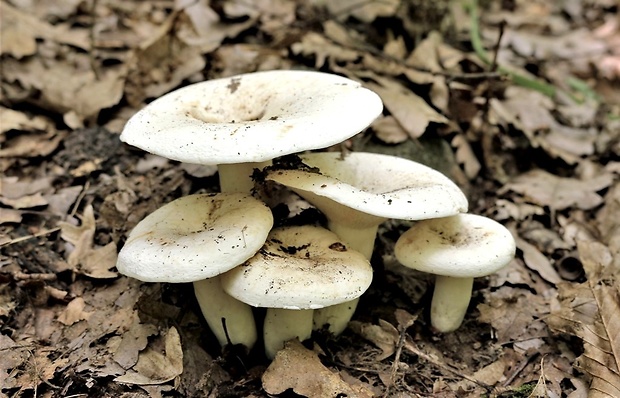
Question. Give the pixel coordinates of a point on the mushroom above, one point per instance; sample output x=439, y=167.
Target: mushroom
x=299, y=269
x=456, y=249
x=242, y=122
x=360, y=191
x=194, y=239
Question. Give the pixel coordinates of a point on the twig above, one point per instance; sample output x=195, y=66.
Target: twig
x=415, y=350
x=518, y=79
x=37, y=235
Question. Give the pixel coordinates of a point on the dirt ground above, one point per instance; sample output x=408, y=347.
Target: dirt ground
x=517, y=101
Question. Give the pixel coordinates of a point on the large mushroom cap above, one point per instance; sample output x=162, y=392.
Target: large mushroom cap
x=465, y=245
x=253, y=117
x=380, y=185
x=302, y=267
x=195, y=237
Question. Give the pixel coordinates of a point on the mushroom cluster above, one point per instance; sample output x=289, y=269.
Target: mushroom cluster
x=308, y=277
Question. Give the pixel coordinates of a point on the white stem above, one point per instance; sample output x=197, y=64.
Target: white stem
x=363, y=241
x=282, y=325
x=450, y=301
x=237, y=177
x=216, y=305
x=336, y=316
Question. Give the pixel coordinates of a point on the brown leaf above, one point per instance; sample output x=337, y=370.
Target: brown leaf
x=85, y=258
x=300, y=369
x=538, y=262
x=546, y=189
x=590, y=311
x=74, y=312
x=154, y=367
x=384, y=336
x=409, y=109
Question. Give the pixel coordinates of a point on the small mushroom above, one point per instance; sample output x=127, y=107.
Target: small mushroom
x=194, y=239
x=242, y=122
x=298, y=270
x=360, y=191
x=456, y=249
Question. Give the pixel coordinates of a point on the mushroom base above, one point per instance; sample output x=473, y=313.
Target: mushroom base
x=282, y=325
x=219, y=308
x=336, y=316
x=450, y=301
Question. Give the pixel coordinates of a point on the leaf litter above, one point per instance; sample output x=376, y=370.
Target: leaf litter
x=545, y=166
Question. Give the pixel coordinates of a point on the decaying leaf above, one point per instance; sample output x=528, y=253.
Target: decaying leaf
x=154, y=367
x=300, y=369
x=590, y=311
x=384, y=336
x=410, y=110
x=74, y=312
x=545, y=189
x=94, y=261
x=538, y=262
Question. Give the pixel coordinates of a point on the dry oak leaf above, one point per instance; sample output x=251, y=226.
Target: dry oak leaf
x=300, y=369
x=409, y=109
x=590, y=311
x=74, y=312
x=154, y=367
x=546, y=189
x=86, y=258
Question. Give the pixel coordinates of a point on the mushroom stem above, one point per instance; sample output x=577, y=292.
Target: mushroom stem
x=284, y=324
x=218, y=307
x=450, y=301
x=358, y=238
x=237, y=177
x=363, y=241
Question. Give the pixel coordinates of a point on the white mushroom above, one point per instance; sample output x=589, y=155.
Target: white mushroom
x=194, y=239
x=360, y=191
x=457, y=249
x=298, y=270
x=242, y=122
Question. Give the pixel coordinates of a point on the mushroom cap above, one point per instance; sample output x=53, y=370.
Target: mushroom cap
x=253, y=117
x=379, y=185
x=464, y=245
x=195, y=237
x=302, y=267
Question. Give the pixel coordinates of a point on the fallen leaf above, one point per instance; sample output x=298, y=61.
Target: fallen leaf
x=86, y=258
x=154, y=367
x=295, y=367
x=74, y=312
x=384, y=336
x=538, y=262
x=410, y=110
x=366, y=12
x=132, y=342
x=590, y=311
x=546, y=189
x=387, y=129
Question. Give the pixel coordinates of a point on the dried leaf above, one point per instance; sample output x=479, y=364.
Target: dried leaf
x=85, y=258
x=538, y=262
x=590, y=312
x=546, y=189
x=384, y=336
x=388, y=130
x=465, y=156
x=74, y=312
x=300, y=369
x=364, y=11
x=154, y=367
x=409, y=109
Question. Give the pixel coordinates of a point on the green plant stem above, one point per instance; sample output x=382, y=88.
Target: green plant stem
x=518, y=79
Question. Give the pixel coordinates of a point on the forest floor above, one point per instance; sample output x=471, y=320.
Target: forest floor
x=516, y=101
